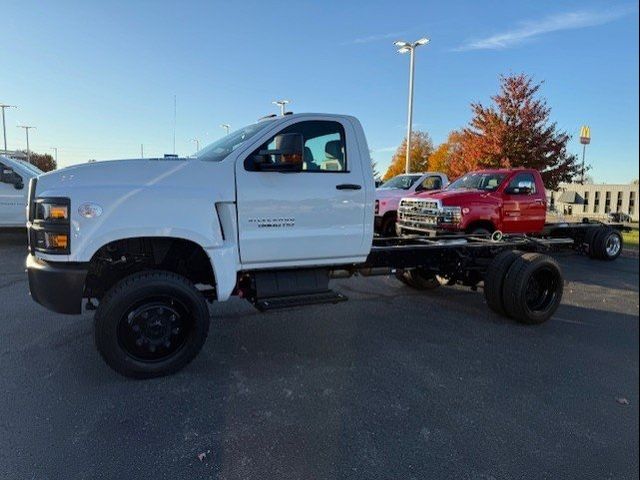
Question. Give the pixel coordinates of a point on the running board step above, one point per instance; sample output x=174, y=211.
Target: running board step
x=273, y=303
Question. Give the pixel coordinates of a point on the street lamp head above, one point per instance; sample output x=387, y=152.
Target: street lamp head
x=400, y=44
x=404, y=50
x=422, y=41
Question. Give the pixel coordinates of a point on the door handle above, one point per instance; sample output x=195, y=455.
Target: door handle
x=348, y=186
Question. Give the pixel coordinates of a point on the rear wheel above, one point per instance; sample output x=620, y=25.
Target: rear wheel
x=151, y=324
x=608, y=244
x=494, y=279
x=418, y=278
x=532, y=289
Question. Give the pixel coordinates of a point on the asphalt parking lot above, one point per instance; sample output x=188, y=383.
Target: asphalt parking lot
x=391, y=384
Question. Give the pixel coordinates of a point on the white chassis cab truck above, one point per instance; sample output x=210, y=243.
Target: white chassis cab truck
x=269, y=213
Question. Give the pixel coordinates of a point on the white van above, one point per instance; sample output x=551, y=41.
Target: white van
x=14, y=178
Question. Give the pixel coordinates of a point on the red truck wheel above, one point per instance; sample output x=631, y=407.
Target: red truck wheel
x=532, y=289
x=494, y=279
x=607, y=244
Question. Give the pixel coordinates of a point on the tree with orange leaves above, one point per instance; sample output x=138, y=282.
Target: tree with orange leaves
x=515, y=131
x=421, y=150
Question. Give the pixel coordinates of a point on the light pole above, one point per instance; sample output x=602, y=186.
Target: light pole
x=408, y=47
x=282, y=104
x=3, y=106
x=26, y=129
x=226, y=127
x=585, y=139
x=197, y=142
x=55, y=149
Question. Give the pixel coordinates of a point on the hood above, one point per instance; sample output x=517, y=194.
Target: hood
x=457, y=197
x=391, y=193
x=115, y=173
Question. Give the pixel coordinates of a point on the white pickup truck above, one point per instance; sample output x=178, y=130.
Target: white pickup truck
x=268, y=213
x=14, y=177
x=389, y=194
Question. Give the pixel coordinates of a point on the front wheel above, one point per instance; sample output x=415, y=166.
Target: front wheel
x=151, y=324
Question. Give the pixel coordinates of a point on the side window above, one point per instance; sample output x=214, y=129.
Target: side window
x=522, y=181
x=431, y=183
x=324, y=146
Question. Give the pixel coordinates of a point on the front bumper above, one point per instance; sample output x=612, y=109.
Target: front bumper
x=57, y=286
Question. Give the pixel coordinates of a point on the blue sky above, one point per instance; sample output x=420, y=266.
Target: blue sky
x=97, y=79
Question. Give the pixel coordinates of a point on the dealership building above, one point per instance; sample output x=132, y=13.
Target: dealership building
x=595, y=201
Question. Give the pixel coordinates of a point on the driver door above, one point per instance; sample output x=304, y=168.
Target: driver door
x=311, y=216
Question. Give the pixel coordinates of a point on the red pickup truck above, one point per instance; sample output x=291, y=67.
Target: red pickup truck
x=512, y=201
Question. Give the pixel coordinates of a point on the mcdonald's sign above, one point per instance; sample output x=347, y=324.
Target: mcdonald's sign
x=585, y=135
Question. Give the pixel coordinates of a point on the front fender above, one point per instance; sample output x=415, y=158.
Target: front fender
x=130, y=212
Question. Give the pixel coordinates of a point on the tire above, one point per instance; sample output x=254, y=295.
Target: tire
x=589, y=241
x=532, y=289
x=418, y=279
x=494, y=279
x=480, y=231
x=608, y=244
x=389, y=227
x=151, y=324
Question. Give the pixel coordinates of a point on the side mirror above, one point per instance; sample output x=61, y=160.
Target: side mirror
x=519, y=191
x=286, y=157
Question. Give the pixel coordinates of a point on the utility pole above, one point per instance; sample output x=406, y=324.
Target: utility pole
x=410, y=47
x=585, y=139
x=26, y=129
x=226, y=127
x=175, y=111
x=282, y=104
x=4, y=106
x=141, y=150
x=55, y=149
x=197, y=142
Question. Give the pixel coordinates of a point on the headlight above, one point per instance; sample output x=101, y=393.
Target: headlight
x=451, y=214
x=49, y=230
x=52, y=211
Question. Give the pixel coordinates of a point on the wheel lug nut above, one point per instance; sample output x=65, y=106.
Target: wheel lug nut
x=175, y=331
x=139, y=342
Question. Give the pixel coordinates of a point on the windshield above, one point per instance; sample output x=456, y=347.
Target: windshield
x=30, y=167
x=478, y=181
x=401, y=182
x=219, y=149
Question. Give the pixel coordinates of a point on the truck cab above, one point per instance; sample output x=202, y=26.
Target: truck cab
x=389, y=194
x=295, y=190
x=14, y=177
x=481, y=202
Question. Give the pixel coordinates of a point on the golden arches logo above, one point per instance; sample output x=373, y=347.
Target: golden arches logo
x=585, y=135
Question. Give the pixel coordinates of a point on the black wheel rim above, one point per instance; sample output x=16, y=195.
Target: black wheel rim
x=155, y=329
x=542, y=289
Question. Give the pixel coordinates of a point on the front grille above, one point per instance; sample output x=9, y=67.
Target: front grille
x=419, y=214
